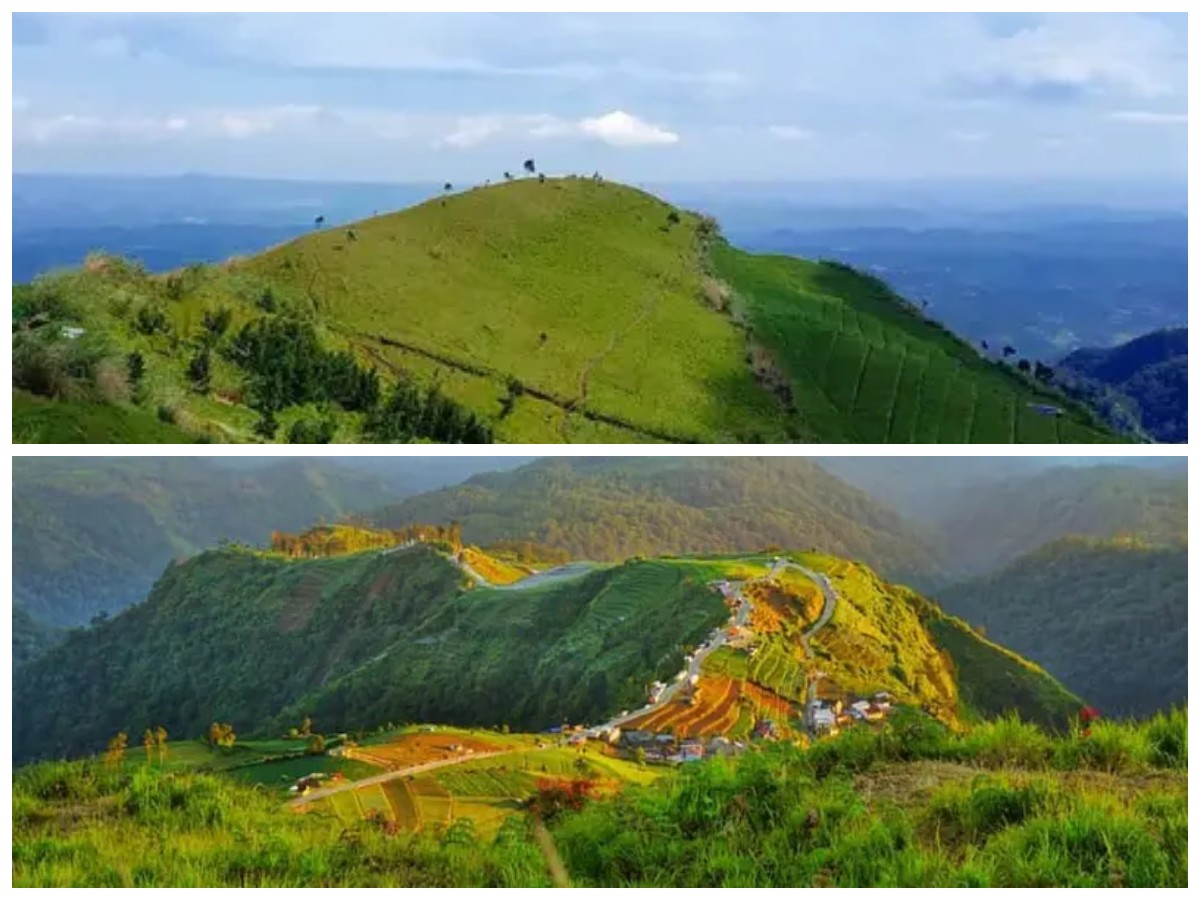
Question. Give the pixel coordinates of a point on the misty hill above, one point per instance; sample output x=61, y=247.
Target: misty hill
x=256, y=639
x=93, y=534
x=610, y=509
x=1144, y=379
x=1106, y=617
x=566, y=310
x=985, y=512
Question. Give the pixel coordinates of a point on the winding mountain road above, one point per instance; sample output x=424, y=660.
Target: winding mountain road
x=745, y=607
x=571, y=570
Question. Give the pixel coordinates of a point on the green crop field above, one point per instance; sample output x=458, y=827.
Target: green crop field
x=866, y=368
x=775, y=666
x=281, y=774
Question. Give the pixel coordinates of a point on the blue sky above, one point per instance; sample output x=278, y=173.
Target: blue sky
x=408, y=97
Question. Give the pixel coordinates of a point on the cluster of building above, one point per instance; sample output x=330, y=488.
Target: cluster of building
x=666, y=748
x=828, y=717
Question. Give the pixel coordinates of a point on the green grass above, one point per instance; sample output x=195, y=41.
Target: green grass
x=868, y=368
x=910, y=805
x=37, y=420
x=564, y=311
x=730, y=663
x=281, y=774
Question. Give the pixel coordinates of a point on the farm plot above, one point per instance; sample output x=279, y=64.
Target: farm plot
x=714, y=711
x=768, y=702
x=774, y=667
x=730, y=663
x=403, y=804
x=418, y=747
x=374, y=803
x=434, y=803
x=346, y=807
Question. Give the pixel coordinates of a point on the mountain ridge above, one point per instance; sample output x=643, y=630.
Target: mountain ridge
x=567, y=310
x=256, y=638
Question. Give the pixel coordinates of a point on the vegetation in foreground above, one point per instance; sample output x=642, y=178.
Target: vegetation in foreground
x=1003, y=804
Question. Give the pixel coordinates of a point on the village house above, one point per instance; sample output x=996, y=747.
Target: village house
x=824, y=721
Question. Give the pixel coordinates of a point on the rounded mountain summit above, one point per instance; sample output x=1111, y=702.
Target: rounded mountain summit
x=536, y=310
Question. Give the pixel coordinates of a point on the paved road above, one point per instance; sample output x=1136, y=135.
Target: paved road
x=538, y=579
x=743, y=614
x=321, y=793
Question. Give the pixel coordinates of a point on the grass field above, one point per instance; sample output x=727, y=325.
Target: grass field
x=37, y=420
x=912, y=804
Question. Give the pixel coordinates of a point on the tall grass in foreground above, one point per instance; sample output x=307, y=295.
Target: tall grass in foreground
x=909, y=805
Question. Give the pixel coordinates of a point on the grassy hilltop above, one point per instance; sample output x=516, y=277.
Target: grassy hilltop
x=555, y=311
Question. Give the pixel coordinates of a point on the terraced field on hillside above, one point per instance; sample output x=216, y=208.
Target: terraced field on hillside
x=866, y=367
x=714, y=710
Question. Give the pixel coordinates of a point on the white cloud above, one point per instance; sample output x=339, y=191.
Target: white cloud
x=969, y=137
x=620, y=129
x=1067, y=57
x=239, y=124
x=471, y=132
x=789, y=133
x=1148, y=117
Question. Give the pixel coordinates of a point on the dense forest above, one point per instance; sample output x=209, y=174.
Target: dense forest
x=231, y=636
x=1108, y=618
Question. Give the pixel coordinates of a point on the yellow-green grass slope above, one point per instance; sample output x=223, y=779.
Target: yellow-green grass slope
x=578, y=310
x=910, y=805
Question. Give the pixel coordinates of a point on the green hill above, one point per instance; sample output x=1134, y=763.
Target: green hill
x=1004, y=519
x=45, y=420
x=93, y=534
x=611, y=509
x=569, y=310
x=1141, y=384
x=1108, y=618
x=259, y=639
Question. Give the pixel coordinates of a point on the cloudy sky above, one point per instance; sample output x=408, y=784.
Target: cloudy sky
x=407, y=97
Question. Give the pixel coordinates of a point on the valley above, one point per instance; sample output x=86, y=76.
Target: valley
x=484, y=684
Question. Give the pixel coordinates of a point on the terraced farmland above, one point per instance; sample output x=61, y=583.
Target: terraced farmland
x=414, y=748
x=865, y=366
x=715, y=711
x=768, y=703
x=775, y=667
